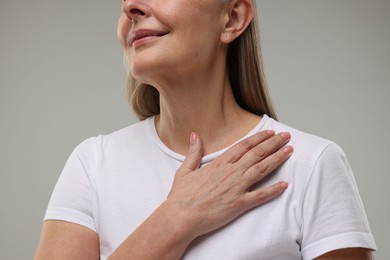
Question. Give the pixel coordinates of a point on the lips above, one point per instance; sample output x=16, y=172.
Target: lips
x=144, y=33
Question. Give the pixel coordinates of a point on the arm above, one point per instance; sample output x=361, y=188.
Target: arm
x=160, y=236
x=348, y=254
x=64, y=240
x=200, y=201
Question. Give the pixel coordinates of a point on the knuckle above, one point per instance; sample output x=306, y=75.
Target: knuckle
x=261, y=169
x=216, y=164
x=261, y=153
x=241, y=202
x=245, y=144
x=194, y=151
x=262, y=195
x=236, y=154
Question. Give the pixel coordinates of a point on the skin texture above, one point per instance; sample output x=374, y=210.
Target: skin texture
x=198, y=116
x=64, y=240
x=166, y=58
x=188, y=67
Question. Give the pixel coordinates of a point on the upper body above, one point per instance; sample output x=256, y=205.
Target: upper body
x=112, y=183
x=194, y=66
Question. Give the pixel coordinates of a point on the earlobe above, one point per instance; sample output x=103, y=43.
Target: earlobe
x=241, y=13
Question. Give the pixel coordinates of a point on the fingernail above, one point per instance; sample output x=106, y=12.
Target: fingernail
x=284, y=185
x=285, y=135
x=288, y=149
x=193, y=137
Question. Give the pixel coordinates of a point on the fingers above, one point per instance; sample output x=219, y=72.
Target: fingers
x=261, y=196
x=258, y=171
x=234, y=153
x=263, y=150
x=194, y=156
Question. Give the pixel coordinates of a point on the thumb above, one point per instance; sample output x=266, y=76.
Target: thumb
x=194, y=155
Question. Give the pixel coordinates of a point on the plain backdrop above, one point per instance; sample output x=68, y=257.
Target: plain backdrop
x=62, y=80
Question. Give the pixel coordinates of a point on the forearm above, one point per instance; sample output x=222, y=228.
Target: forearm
x=164, y=235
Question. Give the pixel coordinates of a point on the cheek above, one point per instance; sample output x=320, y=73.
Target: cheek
x=124, y=26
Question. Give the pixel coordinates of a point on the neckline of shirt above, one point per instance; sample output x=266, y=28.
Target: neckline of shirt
x=151, y=129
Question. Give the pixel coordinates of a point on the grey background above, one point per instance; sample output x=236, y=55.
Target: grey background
x=62, y=80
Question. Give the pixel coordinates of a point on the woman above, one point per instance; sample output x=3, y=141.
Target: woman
x=195, y=75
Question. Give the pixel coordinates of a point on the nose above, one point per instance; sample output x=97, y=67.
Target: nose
x=135, y=9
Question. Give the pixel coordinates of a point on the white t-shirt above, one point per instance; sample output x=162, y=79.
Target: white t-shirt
x=112, y=183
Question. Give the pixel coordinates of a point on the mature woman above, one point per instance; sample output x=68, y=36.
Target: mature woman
x=241, y=192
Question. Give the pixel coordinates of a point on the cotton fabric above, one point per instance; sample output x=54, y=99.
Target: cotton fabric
x=112, y=183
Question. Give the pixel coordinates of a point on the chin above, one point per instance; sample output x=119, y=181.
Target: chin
x=148, y=69
x=144, y=74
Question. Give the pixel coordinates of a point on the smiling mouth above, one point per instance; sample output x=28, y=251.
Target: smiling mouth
x=143, y=34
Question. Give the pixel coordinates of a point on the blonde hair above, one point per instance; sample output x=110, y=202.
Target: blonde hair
x=246, y=74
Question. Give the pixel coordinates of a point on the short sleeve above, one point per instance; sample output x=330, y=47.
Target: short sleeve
x=333, y=215
x=72, y=198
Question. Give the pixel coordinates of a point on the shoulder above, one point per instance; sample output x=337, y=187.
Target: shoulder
x=305, y=145
x=313, y=155
x=116, y=144
x=130, y=135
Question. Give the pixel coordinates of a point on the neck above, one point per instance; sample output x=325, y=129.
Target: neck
x=204, y=105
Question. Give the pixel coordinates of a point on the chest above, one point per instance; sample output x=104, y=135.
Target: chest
x=126, y=196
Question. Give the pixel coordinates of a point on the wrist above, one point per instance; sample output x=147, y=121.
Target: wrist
x=181, y=222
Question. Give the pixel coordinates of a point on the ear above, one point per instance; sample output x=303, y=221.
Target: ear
x=239, y=14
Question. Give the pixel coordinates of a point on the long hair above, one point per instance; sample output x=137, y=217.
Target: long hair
x=246, y=75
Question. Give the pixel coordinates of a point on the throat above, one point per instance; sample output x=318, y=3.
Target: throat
x=215, y=133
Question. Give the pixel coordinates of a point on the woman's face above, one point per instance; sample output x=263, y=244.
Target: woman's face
x=166, y=38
